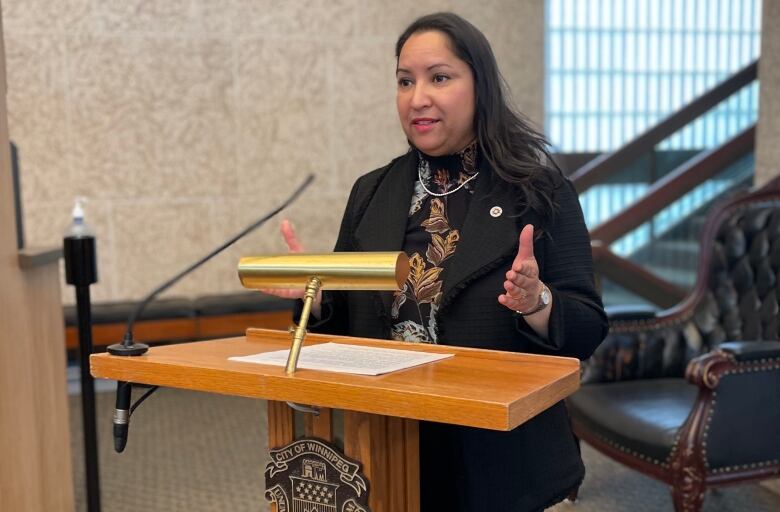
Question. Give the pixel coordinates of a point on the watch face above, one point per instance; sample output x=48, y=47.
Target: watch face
x=545, y=296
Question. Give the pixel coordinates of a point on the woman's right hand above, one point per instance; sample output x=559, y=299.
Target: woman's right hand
x=293, y=246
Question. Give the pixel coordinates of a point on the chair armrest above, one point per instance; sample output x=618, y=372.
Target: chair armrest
x=707, y=370
x=752, y=350
x=737, y=410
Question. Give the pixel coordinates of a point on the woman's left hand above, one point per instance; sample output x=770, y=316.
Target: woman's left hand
x=522, y=286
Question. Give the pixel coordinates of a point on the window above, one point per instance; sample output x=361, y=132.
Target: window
x=614, y=68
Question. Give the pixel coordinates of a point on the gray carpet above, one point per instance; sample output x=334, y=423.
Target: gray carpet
x=197, y=452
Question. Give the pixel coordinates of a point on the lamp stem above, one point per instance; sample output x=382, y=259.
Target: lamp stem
x=312, y=287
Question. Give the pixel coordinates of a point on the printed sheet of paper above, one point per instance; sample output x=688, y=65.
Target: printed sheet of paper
x=337, y=357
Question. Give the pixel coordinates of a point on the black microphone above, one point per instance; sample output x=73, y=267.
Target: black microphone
x=122, y=415
x=129, y=348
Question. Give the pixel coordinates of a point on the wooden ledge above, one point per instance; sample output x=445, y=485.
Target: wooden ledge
x=477, y=388
x=32, y=257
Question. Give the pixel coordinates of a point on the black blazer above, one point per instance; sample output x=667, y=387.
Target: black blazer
x=470, y=469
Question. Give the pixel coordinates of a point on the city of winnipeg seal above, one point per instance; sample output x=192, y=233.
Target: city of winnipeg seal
x=309, y=475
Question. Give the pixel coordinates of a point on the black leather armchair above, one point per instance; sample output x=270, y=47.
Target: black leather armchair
x=691, y=395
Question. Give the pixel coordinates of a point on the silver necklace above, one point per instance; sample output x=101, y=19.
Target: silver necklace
x=442, y=194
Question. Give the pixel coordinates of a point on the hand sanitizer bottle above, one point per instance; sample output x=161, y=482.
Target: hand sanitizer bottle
x=79, y=249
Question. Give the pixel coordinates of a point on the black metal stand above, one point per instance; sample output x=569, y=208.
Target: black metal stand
x=88, y=414
x=81, y=271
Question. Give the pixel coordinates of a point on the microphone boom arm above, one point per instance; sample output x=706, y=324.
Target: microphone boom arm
x=128, y=347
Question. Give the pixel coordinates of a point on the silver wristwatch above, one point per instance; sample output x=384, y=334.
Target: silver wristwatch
x=545, y=297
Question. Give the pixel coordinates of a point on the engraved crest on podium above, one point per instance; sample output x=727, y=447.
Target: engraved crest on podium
x=309, y=475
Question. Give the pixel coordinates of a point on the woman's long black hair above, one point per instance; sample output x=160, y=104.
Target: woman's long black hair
x=515, y=150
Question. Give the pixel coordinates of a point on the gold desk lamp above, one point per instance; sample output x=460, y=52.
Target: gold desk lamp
x=314, y=272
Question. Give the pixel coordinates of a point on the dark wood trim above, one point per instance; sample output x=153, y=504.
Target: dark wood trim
x=687, y=468
x=635, y=278
x=605, y=166
x=673, y=186
x=742, y=476
x=705, y=371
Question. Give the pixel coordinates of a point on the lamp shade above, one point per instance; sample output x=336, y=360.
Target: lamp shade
x=335, y=270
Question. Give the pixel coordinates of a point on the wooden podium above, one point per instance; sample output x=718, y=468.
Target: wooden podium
x=479, y=388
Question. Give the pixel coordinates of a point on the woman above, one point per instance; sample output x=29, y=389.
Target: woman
x=476, y=175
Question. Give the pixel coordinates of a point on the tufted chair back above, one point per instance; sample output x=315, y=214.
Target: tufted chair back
x=735, y=298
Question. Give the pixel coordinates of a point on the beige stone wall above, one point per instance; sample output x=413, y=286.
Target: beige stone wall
x=183, y=120
x=768, y=133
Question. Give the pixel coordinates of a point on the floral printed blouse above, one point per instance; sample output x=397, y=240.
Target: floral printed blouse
x=432, y=235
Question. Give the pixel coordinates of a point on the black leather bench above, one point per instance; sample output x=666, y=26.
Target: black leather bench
x=182, y=319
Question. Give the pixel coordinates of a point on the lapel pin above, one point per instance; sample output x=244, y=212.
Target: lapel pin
x=496, y=211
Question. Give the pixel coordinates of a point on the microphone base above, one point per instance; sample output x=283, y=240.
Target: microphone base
x=134, y=349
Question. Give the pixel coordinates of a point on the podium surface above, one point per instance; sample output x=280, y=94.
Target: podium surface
x=478, y=388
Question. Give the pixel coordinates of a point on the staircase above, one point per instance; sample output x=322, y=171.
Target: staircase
x=645, y=203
